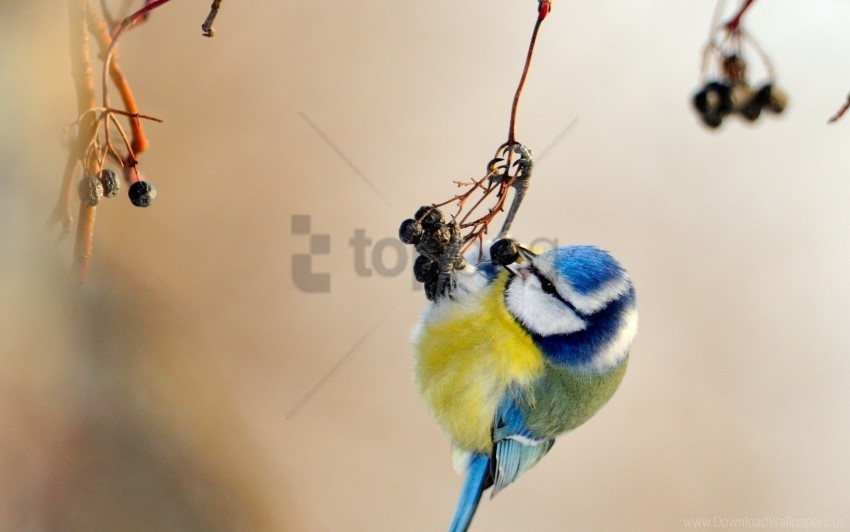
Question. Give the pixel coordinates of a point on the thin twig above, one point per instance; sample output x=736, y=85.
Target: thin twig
x=207, y=28
x=711, y=44
x=117, y=112
x=484, y=196
x=768, y=64
x=735, y=21
x=126, y=23
x=104, y=40
x=130, y=155
x=841, y=111
x=543, y=10
x=715, y=18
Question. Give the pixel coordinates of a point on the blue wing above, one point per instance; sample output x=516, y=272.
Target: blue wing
x=515, y=448
x=515, y=451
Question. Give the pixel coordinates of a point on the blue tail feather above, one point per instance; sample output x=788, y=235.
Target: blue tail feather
x=477, y=480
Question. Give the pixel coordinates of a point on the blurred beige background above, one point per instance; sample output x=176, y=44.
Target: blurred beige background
x=193, y=386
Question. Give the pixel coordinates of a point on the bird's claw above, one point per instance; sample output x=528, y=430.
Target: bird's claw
x=496, y=169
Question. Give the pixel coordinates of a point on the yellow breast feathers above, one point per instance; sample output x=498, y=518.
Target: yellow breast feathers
x=467, y=355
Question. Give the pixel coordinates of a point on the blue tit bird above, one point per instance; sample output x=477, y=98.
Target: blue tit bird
x=517, y=355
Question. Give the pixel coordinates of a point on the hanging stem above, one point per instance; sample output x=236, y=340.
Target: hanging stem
x=733, y=24
x=104, y=40
x=544, y=7
x=128, y=21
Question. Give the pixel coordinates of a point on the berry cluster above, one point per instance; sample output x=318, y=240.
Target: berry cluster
x=730, y=93
x=438, y=243
x=107, y=185
x=104, y=185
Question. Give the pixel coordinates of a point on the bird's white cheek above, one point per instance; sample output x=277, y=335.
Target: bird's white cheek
x=539, y=312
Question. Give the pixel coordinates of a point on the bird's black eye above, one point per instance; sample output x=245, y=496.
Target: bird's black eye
x=547, y=286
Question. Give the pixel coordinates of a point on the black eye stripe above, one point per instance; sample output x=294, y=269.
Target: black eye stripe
x=549, y=288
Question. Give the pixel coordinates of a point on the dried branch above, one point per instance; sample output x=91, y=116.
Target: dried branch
x=84, y=84
x=84, y=242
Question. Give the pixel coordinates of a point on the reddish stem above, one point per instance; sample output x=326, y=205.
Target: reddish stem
x=543, y=9
x=141, y=13
x=733, y=24
x=489, y=216
x=841, y=112
x=104, y=40
x=128, y=21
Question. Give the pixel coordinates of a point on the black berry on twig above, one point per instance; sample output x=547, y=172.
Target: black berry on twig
x=142, y=194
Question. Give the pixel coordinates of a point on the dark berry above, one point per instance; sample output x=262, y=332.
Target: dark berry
x=142, y=194
x=713, y=102
x=436, y=240
x=700, y=101
x=715, y=97
x=504, y=251
x=431, y=289
x=90, y=190
x=410, y=231
x=752, y=109
x=429, y=216
x=425, y=269
x=712, y=120
x=774, y=99
x=762, y=95
x=111, y=185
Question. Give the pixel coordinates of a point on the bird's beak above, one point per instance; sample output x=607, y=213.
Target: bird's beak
x=517, y=270
x=526, y=253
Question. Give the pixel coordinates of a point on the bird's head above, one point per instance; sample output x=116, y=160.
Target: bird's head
x=577, y=303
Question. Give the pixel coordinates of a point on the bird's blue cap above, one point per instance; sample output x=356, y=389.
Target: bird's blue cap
x=588, y=268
